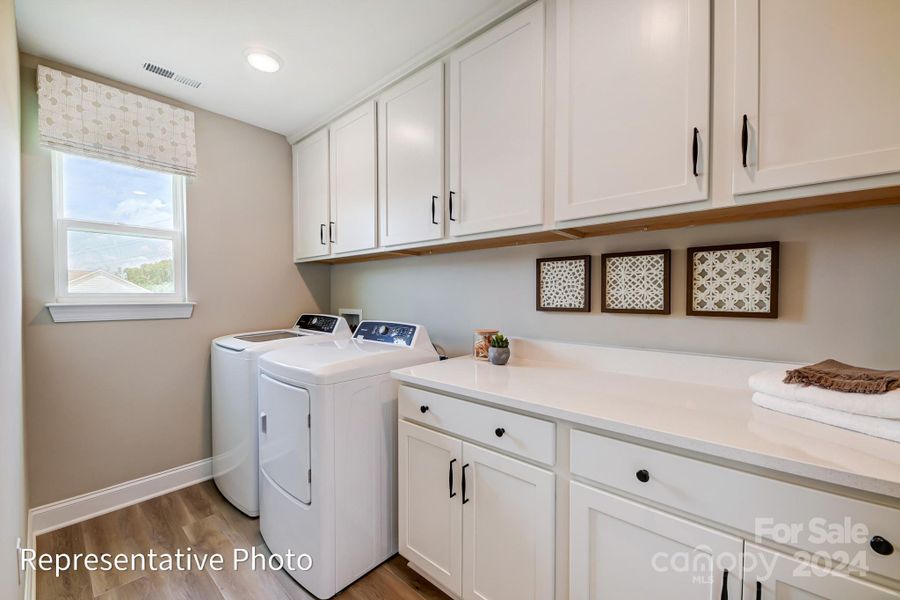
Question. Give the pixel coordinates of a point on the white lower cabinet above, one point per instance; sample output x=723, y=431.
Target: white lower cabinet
x=774, y=576
x=622, y=549
x=508, y=528
x=430, y=505
x=478, y=523
x=481, y=522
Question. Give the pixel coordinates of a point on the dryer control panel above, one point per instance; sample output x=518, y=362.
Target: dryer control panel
x=320, y=323
x=400, y=334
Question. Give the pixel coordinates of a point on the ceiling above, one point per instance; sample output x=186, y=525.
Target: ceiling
x=334, y=51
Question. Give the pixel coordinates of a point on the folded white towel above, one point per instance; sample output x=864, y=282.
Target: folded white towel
x=888, y=429
x=886, y=406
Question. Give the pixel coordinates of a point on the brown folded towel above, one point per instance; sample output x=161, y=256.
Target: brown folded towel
x=833, y=375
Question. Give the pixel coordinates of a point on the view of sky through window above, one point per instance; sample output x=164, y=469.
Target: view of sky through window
x=96, y=191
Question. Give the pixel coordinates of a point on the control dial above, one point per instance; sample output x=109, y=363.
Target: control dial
x=383, y=330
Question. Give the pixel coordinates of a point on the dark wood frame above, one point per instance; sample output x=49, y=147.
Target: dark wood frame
x=667, y=283
x=773, y=302
x=587, y=283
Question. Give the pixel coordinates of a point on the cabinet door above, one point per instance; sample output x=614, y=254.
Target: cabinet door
x=632, y=90
x=508, y=528
x=622, y=549
x=311, y=201
x=430, y=503
x=353, y=193
x=774, y=576
x=497, y=127
x=411, y=159
x=819, y=83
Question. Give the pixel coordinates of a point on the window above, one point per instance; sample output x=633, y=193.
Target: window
x=119, y=232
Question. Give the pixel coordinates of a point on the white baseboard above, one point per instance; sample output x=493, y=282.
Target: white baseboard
x=56, y=515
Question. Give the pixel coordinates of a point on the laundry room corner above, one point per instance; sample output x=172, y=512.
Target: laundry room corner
x=131, y=398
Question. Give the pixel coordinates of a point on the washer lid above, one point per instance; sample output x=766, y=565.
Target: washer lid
x=341, y=360
x=310, y=328
x=268, y=336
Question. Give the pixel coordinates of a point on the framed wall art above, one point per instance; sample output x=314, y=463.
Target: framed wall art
x=737, y=280
x=636, y=282
x=564, y=284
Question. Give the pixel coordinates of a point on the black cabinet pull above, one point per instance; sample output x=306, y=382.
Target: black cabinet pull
x=465, y=466
x=451, y=206
x=331, y=231
x=433, y=202
x=745, y=140
x=499, y=432
x=725, y=585
x=452, y=493
x=322, y=234
x=695, y=150
x=881, y=546
x=643, y=475
x=758, y=591
x=423, y=409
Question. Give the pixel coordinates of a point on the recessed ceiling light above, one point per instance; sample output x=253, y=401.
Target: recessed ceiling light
x=263, y=60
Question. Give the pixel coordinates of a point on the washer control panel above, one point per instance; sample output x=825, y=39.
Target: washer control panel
x=320, y=323
x=389, y=333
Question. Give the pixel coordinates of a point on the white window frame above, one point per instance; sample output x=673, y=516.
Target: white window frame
x=102, y=307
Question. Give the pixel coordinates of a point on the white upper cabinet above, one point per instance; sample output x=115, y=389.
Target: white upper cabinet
x=411, y=159
x=632, y=105
x=497, y=127
x=819, y=84
x=353, y=177
x=311, y=201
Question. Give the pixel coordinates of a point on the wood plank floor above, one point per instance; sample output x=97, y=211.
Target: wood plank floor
x=200, y=518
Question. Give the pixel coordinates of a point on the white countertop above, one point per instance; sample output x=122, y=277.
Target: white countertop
x=713, y=419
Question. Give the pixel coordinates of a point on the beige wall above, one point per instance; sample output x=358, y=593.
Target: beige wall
x=109, y=402
x=12, y=457
x=840, y=292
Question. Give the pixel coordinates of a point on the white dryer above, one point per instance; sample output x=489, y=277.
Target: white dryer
x=328, y=450
x=235, y=446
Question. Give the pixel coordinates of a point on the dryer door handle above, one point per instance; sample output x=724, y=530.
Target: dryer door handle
x=263, y=418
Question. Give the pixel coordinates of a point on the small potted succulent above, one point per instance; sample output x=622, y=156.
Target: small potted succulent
x=499, y=351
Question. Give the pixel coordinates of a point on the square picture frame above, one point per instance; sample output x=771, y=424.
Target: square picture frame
x=733, y=280
x=563, y=284
x=636, y=282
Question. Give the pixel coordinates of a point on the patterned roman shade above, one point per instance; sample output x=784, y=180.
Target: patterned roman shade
x=85, y=117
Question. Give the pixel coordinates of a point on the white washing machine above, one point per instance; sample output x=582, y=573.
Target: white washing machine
x=235, y=446
x=328, y=450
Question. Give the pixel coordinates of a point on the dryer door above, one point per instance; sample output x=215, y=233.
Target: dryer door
x=284, y=436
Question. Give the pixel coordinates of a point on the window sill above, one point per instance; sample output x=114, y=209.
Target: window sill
x=72, y=312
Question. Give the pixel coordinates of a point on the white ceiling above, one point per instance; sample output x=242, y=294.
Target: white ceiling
x=333, y=50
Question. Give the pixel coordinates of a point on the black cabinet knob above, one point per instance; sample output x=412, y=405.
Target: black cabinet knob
x=881, y=546
x=423, y=409
x=499, y=432
x=643, y=475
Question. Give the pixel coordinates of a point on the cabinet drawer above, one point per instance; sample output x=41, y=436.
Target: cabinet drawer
x=793, y=515
x=520, y=435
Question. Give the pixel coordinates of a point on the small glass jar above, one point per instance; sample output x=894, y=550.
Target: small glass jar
x=481, y=343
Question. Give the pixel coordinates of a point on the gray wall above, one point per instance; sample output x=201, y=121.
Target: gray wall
x=12, y=457
x=110, y=402
x=840, y=292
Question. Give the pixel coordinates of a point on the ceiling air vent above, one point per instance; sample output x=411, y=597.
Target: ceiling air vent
x=169, y=74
